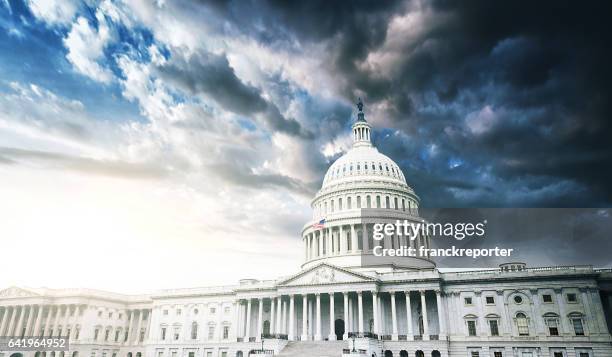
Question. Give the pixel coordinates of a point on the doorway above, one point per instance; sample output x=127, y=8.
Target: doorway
x=339, y=329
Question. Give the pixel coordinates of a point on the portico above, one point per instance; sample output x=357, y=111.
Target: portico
x=328, y=303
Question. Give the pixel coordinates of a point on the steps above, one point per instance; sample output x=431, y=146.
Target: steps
x=313, y=349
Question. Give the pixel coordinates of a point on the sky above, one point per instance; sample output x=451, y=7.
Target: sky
x=162, y=144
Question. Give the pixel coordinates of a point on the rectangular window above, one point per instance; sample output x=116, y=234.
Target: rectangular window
x=467, y=300
x=225, y=332
x=223, y=354
x=191, y=354
x=211, y=332
x=475, y=354
x=497, y=354
x=165, y=312
x=117, y=336
x=553, y=329
x=578, y=328
x=106, y=335
x=494, y=328
x=212, y=310
x=471, y=327
x=547, y=298
x=558, y=354
x=571, y=297
x=163, y=333
x=160, y=354
x=209, y=354
x=584, y=354
x=178, y=311
x=96, y=332
x=490, y=300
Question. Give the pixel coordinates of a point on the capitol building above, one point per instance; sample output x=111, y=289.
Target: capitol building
x=341, y=301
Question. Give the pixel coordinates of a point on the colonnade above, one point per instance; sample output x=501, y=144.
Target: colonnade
x=65, y=321
x=286, y=322
x=40, y=320
x=352, y=238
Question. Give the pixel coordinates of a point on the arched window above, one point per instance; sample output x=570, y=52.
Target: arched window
x=358, y=201
x=194, y=330
x=369, y=201
x=340, y=204
x=331, y=206
x=378, y=202
x=348, y=203
x=403, y=204
x=552, y=323
x=387, y=202
x=577, y=323
x=395, y=203
x=522, y=324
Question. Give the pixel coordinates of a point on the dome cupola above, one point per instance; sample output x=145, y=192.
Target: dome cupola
x=361, y=188
x=361, y=129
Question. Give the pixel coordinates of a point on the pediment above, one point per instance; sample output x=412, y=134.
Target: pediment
x=16, y=292
x=325, y=274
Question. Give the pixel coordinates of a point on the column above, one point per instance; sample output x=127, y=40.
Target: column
x=342, y=240
x=410, y=335
x=351, y=315
x=535, y=308
x=247, y=333
x=5, y=318
x=360, y=308
x=321, y=239
x=19, y=327
x=28, y=325
x=332, y=332
x=259, y=320
x=318, y=332
x=137, y=332
x=36, y=330
x=285, y=317
x=75, y=329
x=311, y=319
x=237, y=316
x=56, y=320
x=291, y=335
x=272, y=313
x=375, y=311
x=346, y=318
x=330, y=242
x=11, y=326
x=424, y=312
x=598, y=307
x=304, y=336
x=279, y=307
x=48, y=322
x=562, y=314
x=441, y=314
x=366, y=243
x=65, y=321
x=393, y=316
x=501, y=306
x=354, y=244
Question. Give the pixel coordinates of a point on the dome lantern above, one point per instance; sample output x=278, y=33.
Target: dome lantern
x=361, y=128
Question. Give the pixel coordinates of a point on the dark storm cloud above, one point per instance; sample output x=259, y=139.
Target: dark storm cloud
x=243, y=176
x=211, y=74
x=542, y=69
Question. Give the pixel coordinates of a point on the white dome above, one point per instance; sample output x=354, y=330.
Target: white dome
x=363, y=163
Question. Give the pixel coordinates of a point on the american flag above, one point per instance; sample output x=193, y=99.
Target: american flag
x=319, y=224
